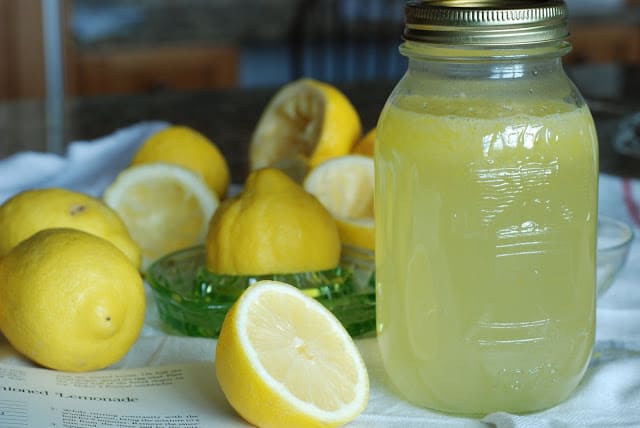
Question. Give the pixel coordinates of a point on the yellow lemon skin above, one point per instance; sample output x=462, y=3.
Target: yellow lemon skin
x=260, y=394
x=33, y=210
x=190, y=149
x=70, y=300
x=358, y=232
x=255, y=402
x=341, y=126
x=366, y=145
x=273, y=226
x=305, y=123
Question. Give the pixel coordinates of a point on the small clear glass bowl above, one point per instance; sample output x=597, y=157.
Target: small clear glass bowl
x=614, y=242
x=194, y=301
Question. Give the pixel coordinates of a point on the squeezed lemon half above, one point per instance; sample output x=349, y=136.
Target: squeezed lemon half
x=305, y=123
x=345, y=186
x=166, y=207
x=272, y=227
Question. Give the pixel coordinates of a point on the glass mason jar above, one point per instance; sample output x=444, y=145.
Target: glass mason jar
x=486, y=211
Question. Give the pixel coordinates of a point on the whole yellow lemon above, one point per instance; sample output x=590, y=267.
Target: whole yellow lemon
x=33, y=210
x=273, y=226
x=70, y=300
x=190, y=149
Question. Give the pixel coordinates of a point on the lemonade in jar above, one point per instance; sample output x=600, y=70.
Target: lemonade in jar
x=486, y=211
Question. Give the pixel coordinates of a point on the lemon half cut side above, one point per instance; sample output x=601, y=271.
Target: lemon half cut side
x=166, y=207
x=305, y=123
x=345, y=186
x=283, y=359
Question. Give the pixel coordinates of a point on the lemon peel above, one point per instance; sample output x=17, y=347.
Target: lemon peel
x=272, y=227
x=33, y=210
x=70, y=300
x=283, y=359
x=186, y=147
x=305, y=123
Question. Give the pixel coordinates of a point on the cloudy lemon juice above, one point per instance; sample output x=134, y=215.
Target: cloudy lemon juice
x=485, y=231
x=486, y=211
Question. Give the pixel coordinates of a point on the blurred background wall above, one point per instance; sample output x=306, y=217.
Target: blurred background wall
x=138, y=46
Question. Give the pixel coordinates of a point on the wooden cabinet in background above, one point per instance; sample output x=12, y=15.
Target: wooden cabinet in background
x=135, y=70
x=203, y=65
x=21, y=50
x=599, y=43
x=92, y=71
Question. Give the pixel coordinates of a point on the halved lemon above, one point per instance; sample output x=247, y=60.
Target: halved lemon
x=366, y=144
x=283, y=359
x=273, y=226
x=345, y=186
x=304, y=124
x=166, y=207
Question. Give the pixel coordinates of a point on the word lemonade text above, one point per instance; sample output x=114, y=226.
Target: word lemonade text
x=67, y=396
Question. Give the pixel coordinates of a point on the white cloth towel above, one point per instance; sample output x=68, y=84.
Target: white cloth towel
x=609, y=395
x=88, y=166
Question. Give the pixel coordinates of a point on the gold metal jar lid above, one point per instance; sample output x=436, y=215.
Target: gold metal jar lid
x=486, y=22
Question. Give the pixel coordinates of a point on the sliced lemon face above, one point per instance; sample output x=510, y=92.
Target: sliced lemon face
x=283, y=359
x=305, y=123
x=345, y=186
x=165, y=207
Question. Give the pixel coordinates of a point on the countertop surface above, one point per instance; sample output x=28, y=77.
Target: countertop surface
x=228, y=117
